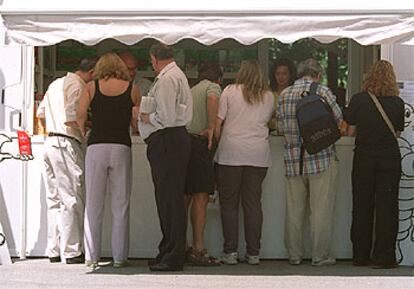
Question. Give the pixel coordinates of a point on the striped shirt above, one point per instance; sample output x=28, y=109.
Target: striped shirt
x=288, y=126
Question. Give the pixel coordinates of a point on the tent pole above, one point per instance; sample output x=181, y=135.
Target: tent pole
x=27, y=73
x=387, y=52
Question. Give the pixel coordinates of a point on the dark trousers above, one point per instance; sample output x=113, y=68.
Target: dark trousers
x=245, y=182
x=375, y=186
x=168, y=153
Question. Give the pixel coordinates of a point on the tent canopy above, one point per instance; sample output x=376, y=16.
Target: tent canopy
x=47, y=22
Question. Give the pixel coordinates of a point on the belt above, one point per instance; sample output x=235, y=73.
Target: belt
x=162, y=131
x=65, y=136
x=198, y=136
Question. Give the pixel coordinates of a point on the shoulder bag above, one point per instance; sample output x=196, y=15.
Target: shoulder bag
x=383, y=114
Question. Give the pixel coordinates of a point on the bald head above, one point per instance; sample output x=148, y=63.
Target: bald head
x=130, y=61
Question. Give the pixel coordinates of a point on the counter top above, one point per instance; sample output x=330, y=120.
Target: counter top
x=343, y=141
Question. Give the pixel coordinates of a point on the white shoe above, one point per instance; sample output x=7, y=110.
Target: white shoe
x=324, y=262
x=253, y=260
x=120, y=264
x=230, y=258
x=91, y=264
x=295, y=261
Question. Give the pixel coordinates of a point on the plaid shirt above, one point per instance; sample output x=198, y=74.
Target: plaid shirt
x=287, y=124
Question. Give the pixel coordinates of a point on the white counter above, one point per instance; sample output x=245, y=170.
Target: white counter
x=145, y=231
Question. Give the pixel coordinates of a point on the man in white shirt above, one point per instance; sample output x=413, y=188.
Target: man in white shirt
x=132, y=64
x=64, y=164
x=162, y=125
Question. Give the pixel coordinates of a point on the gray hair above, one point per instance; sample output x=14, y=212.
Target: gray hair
x=309, y=67
x=161, y=51
x=87, y=64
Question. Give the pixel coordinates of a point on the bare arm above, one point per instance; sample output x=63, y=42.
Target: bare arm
x=352, y=130
x=84, y=102
x=136, y=100
x=217, y=129
x=40, y=113
x=212, y=108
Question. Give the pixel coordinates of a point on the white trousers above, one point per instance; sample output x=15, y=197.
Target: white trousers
x=314, y=194
x=64, y=178
x=107, y=164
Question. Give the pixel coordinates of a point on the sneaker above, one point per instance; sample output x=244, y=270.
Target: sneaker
x=230, y=258
x=253, y=260
x=324, y=262
x=120, y=264
x=295, y=261
x=91, y=264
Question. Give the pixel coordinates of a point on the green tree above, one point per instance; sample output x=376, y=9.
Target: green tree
x=332, y=54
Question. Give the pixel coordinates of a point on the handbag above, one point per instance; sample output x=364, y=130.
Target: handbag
x=383, y=114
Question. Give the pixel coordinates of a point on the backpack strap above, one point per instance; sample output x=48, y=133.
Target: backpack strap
x=302, y=154
x=313, y=88
x=383, y=113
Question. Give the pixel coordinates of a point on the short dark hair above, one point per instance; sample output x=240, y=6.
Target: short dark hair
x=161, y=51
x=211, y=71
x=87, y=64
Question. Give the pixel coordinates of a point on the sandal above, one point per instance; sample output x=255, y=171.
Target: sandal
x=201, y=258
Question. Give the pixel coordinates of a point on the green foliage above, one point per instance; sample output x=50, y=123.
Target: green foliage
x=310, y=48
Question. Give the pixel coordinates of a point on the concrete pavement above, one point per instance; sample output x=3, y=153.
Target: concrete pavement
x=39, y=273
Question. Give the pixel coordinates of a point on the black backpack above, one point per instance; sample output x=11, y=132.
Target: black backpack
x=317, y=125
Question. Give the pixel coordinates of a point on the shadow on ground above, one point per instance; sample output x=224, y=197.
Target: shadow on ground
x=266, y=268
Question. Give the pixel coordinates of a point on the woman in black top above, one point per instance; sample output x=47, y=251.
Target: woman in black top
x=376, y=168
x=108, y=157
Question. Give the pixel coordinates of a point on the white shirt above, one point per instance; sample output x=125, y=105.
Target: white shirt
x=244, y=139
x=173, y=101
x=60, y=103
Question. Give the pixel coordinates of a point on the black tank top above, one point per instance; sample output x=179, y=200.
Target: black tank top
x=111, y=117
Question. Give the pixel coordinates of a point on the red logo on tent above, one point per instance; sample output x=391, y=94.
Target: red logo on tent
x=25, y=146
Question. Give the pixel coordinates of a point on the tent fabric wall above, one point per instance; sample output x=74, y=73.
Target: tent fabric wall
x=43, y=23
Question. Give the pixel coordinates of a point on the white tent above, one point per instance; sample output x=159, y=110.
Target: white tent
x=46, y=22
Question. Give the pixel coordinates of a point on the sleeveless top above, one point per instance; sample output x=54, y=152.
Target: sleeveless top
x=111, y=117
